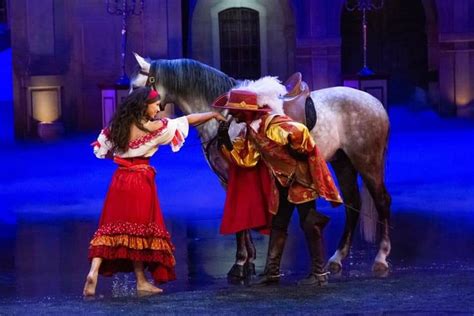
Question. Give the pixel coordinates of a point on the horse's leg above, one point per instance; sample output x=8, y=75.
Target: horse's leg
x=251, y=253
x=371, y=169
x=347, y=177
x=382, y=200
x=237, y=270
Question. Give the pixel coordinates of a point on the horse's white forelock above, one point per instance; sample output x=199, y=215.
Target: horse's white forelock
x=269, y=92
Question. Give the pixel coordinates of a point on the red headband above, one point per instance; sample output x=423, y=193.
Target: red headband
x=153, y=96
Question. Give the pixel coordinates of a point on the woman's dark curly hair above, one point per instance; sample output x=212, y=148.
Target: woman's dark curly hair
x=131, y=111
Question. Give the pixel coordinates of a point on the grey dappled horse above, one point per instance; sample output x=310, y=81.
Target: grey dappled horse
x=351, y=133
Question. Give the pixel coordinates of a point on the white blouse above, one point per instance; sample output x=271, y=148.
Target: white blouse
x=173, y=132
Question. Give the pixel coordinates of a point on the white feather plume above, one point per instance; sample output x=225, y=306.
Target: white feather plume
x=269, y=91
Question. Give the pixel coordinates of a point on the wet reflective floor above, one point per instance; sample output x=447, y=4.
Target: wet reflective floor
x=51, y=195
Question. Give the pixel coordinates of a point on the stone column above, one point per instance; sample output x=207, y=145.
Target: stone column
x=318, y=43
x=319, y=60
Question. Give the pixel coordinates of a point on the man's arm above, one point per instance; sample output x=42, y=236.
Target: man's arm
x=240, y=152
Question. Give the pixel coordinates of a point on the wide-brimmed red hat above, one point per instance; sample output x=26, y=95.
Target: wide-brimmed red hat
x=242, y=100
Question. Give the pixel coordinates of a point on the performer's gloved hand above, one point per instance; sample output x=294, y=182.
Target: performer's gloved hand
x=223, y=136
x=296, y=154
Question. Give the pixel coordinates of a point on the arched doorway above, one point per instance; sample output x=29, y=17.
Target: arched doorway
x=213, y=31
x=397, y=46
x=239, y=34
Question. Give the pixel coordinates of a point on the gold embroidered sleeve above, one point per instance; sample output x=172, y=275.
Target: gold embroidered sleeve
x=294, y=133
x=277, y=133
x=244, y=154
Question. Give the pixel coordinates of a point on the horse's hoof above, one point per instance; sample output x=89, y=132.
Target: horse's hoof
x=334, y=267
x=380, y=269
x=237, y=271
x=249, y=269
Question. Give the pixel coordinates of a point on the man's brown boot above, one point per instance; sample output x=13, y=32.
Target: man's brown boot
x=313, y=227
x=275, y=251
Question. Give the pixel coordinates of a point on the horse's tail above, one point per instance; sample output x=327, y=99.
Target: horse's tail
x=368, y=215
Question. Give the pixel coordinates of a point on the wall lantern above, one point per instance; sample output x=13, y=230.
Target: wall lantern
x=44, y=106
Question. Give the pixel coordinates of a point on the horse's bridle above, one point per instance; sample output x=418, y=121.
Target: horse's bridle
x=151, y=80
x=151, y=75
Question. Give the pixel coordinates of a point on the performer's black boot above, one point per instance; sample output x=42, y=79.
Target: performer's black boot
x=275, y=251
x=313, y=226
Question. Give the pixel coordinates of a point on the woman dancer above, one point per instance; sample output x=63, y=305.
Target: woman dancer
x=132, y=235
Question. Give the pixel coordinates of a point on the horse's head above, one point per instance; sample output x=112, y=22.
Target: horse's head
x=188, y=83
x=147, y=76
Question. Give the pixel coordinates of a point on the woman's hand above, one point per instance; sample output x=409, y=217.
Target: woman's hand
x=219, y=117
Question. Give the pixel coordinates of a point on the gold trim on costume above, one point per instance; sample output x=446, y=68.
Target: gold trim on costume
x=243, y=105
x=244, y=153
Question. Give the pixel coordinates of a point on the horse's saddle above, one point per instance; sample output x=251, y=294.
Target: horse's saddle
x=297, y=103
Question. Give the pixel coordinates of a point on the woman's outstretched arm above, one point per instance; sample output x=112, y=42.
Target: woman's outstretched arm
x=198, y=118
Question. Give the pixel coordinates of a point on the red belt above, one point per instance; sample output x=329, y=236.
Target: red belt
x=128, y=162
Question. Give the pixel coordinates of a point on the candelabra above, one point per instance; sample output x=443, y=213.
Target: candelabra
x=125, y=9
x=364, y=6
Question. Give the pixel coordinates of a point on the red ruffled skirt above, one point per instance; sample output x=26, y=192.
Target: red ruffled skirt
x=131, y=226
x=247, y=200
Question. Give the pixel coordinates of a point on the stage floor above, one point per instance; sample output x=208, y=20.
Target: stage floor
x=51, y=195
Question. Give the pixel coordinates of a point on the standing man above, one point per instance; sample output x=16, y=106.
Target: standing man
x=300, y=173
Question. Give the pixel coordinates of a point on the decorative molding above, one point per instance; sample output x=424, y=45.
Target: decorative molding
x=456, y=37
x=457, y=46
x=319, y=42
x=317, y=47
x=310, y=49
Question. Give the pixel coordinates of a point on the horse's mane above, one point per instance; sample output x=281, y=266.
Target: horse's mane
x=188, y=77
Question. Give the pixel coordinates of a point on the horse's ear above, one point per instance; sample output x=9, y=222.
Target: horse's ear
x=144, y=65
